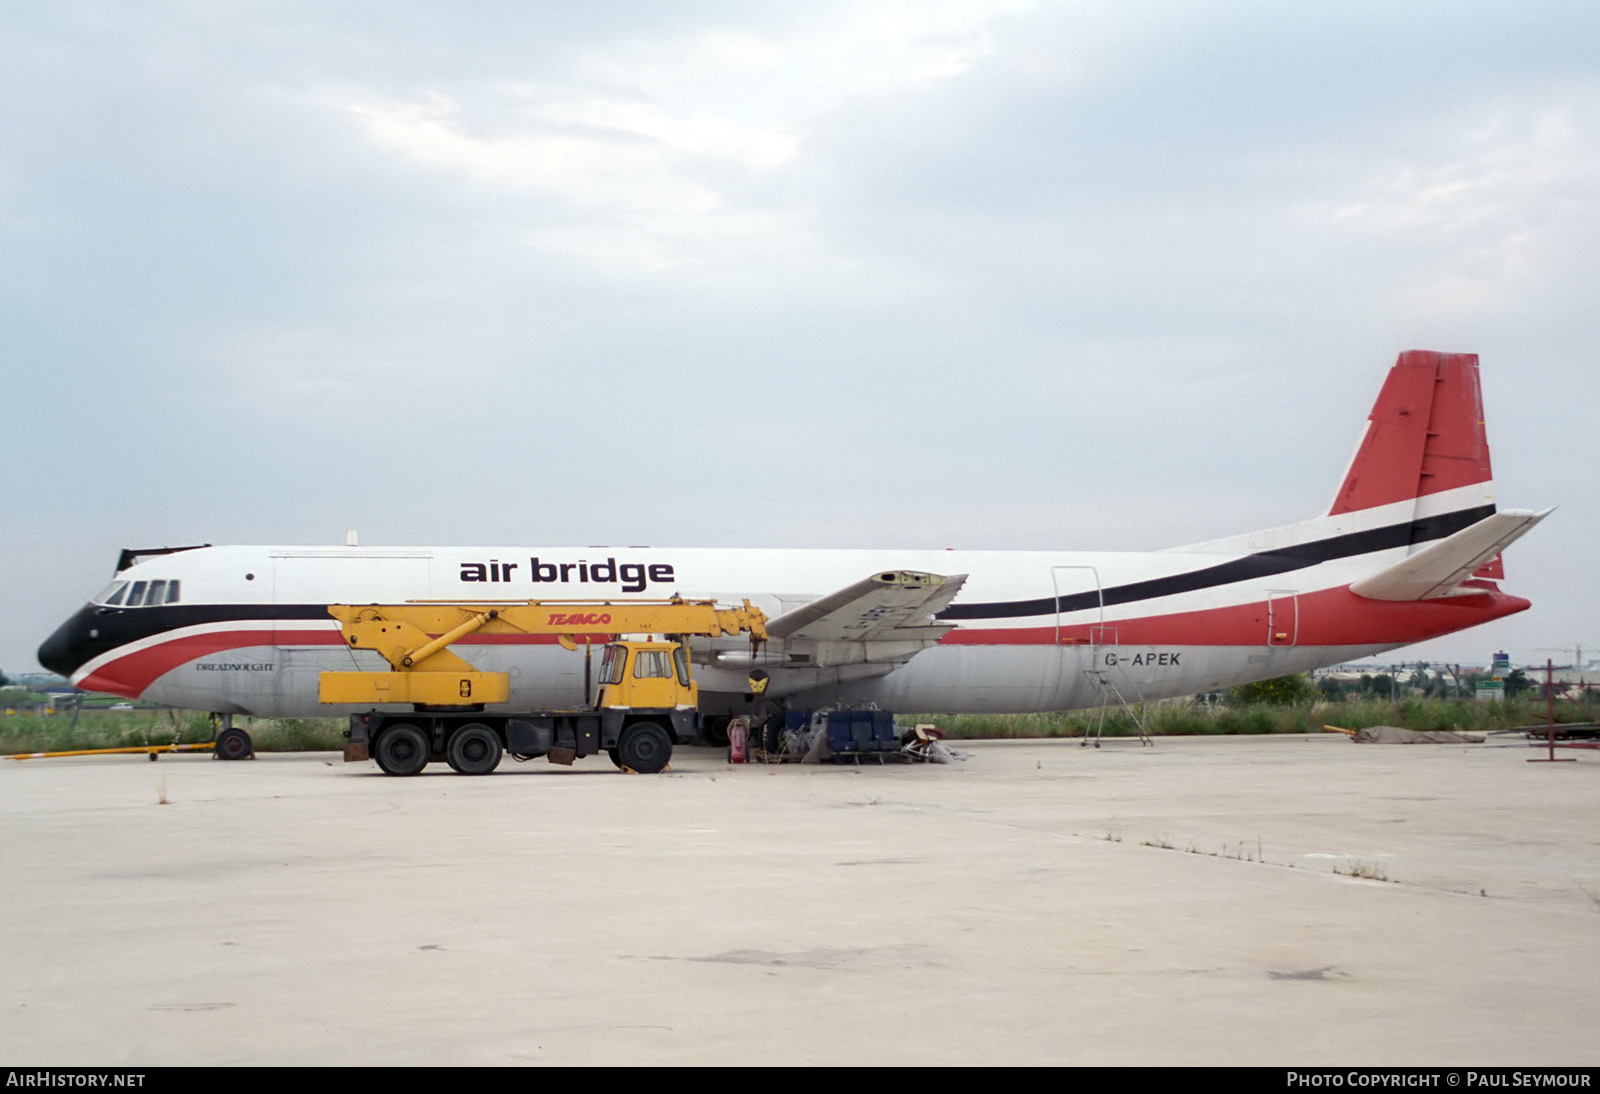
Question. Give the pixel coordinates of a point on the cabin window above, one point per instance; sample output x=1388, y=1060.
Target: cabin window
x=136, y=594
x=611, y=665
x=651, y=665
x=112, y=593
x=172, y=592
x=680, y=660
x=157, y=593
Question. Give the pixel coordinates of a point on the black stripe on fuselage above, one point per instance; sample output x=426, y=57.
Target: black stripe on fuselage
x=1279, y=560
x=95, y=629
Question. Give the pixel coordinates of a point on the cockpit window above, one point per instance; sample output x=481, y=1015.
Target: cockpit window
x=138, y=594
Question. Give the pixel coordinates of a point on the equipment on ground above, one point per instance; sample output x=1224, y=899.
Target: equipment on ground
x=153, y=751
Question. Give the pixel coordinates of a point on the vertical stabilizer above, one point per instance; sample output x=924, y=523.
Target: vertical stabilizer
x=1424, y=438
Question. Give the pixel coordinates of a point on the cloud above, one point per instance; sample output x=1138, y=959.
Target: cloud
x=652, y=155
x=1488, y=222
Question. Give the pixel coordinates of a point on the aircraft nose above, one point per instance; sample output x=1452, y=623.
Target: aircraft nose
x=64, y=652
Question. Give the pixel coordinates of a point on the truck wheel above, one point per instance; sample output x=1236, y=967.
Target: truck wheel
x=233, y=744
x=644, y=747
x=402, y=749
x=616, y=756
x=473, y=750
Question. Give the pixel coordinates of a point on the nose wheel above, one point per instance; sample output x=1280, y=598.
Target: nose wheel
x=232, y=743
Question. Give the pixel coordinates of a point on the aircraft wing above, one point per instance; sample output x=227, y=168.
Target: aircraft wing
x=892, y=606
x=1438, y=568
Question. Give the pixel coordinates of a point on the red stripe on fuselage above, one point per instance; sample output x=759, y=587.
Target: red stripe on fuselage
x=1328, y=617
x=131, y=674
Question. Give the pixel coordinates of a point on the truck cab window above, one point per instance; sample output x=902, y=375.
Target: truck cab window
x=651, y=664
x=611, y=665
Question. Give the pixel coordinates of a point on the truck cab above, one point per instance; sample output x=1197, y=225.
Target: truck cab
x=647, y=673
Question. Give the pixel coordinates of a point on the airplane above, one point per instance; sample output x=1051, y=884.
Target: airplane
x=1409, y=550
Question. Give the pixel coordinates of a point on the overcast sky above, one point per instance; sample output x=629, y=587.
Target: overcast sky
x=1012, y=275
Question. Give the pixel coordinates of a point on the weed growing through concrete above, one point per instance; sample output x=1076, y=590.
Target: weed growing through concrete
x=1363, y=870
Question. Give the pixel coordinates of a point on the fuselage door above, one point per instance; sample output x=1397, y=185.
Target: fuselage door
x=1078, y=595
x=1283, y=617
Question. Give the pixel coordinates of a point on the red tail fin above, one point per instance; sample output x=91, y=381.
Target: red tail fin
x=1425, y=434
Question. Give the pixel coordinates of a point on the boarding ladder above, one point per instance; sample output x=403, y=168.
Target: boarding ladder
x=1108, y=691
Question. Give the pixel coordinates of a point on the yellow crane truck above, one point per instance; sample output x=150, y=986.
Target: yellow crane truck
x=646, y=697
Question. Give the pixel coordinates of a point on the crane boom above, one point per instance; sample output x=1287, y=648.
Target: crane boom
x=415, y=638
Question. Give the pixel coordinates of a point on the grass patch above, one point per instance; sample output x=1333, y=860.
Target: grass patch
x=296, y=734
x=100, y=728
x=1363, y=870
x=127, y=729
x=1184, y=717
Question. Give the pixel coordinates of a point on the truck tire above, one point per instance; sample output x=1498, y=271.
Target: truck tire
x=402, y=749
x=474, y=749
x=644, y=747
x=233, y=744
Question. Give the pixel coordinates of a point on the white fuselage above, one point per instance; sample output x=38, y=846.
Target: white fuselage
x=1413, y=527
x=1034, y=631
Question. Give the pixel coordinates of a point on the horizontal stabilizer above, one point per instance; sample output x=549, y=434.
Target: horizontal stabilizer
x=1437, y=569
x=888, y=606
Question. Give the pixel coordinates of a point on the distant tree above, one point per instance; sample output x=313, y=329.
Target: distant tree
x=4, y=680
x=1380, y=686
x=1517, y=682
x=1332, y=689
x=1282, y=690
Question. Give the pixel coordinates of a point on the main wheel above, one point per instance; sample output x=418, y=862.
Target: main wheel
x=402, y=749
x=715, y=731
x=772, y=734
x=644, y=747
x=234, y=744
x=474, y=749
